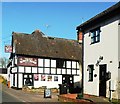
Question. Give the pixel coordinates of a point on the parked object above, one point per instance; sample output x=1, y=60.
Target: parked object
x=63, y=89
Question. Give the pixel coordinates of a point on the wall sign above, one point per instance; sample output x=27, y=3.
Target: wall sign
x=25, y=61
x=55, y=78
x=49, y=78
x=36, y=77
x=8, y=49
x=43, y=77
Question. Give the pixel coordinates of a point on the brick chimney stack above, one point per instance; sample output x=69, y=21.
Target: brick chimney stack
x=79, y=36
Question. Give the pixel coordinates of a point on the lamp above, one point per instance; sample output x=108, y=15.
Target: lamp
x=101, y=58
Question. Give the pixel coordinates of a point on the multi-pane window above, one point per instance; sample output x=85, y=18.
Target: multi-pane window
x=95, y=35
x=90, y=69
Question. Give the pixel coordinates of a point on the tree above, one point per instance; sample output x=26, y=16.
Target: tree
x=3, y=62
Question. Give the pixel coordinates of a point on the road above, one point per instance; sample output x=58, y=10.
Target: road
x=10, y=95
x=6, y=97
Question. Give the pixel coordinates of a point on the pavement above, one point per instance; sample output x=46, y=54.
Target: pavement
x=86, y=98
x=55, y=97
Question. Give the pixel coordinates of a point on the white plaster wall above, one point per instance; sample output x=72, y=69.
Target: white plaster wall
x=108, y=48
x=20, y=77
x=77, y=78
x=119, y=42
x=15, y=80
x=49, y=84
x=16, y=60
x=39, y=83
x=118, y=84
x=11, y=80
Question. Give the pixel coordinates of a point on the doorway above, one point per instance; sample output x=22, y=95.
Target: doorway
x=102, y=80
x=68, y=80
x=28, y=79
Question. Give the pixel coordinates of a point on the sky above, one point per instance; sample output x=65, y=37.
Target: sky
x=56, y=19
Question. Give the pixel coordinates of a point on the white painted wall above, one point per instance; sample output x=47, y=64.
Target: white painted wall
x=11, y=80
x=39, y=83
x=49, y=84
x=20, y=83
x=119, y=42
x=15, y=80
x=108, y=48
x=118, y=87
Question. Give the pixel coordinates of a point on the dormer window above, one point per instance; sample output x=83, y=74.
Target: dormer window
x=95, y=35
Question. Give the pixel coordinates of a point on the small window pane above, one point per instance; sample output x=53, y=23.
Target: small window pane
x=90, y=68
x=95, y=35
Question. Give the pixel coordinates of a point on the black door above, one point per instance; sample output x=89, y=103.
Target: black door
x=102, y=80
x=68, y=80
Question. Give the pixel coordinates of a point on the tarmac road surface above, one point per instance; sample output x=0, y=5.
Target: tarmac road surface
x=10, y=95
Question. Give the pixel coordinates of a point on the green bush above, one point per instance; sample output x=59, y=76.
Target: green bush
x=4, y=81
x=115, y=101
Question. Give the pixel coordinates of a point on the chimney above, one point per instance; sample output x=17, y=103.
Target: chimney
x=38, y=31
x=79, y=36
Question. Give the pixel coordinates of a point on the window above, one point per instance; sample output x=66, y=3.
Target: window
x=90, y=69
x=95, y=35
x=60, y=63
x=119, y=65
x=28, y=79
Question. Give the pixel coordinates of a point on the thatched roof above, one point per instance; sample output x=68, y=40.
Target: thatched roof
x=40, y=45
